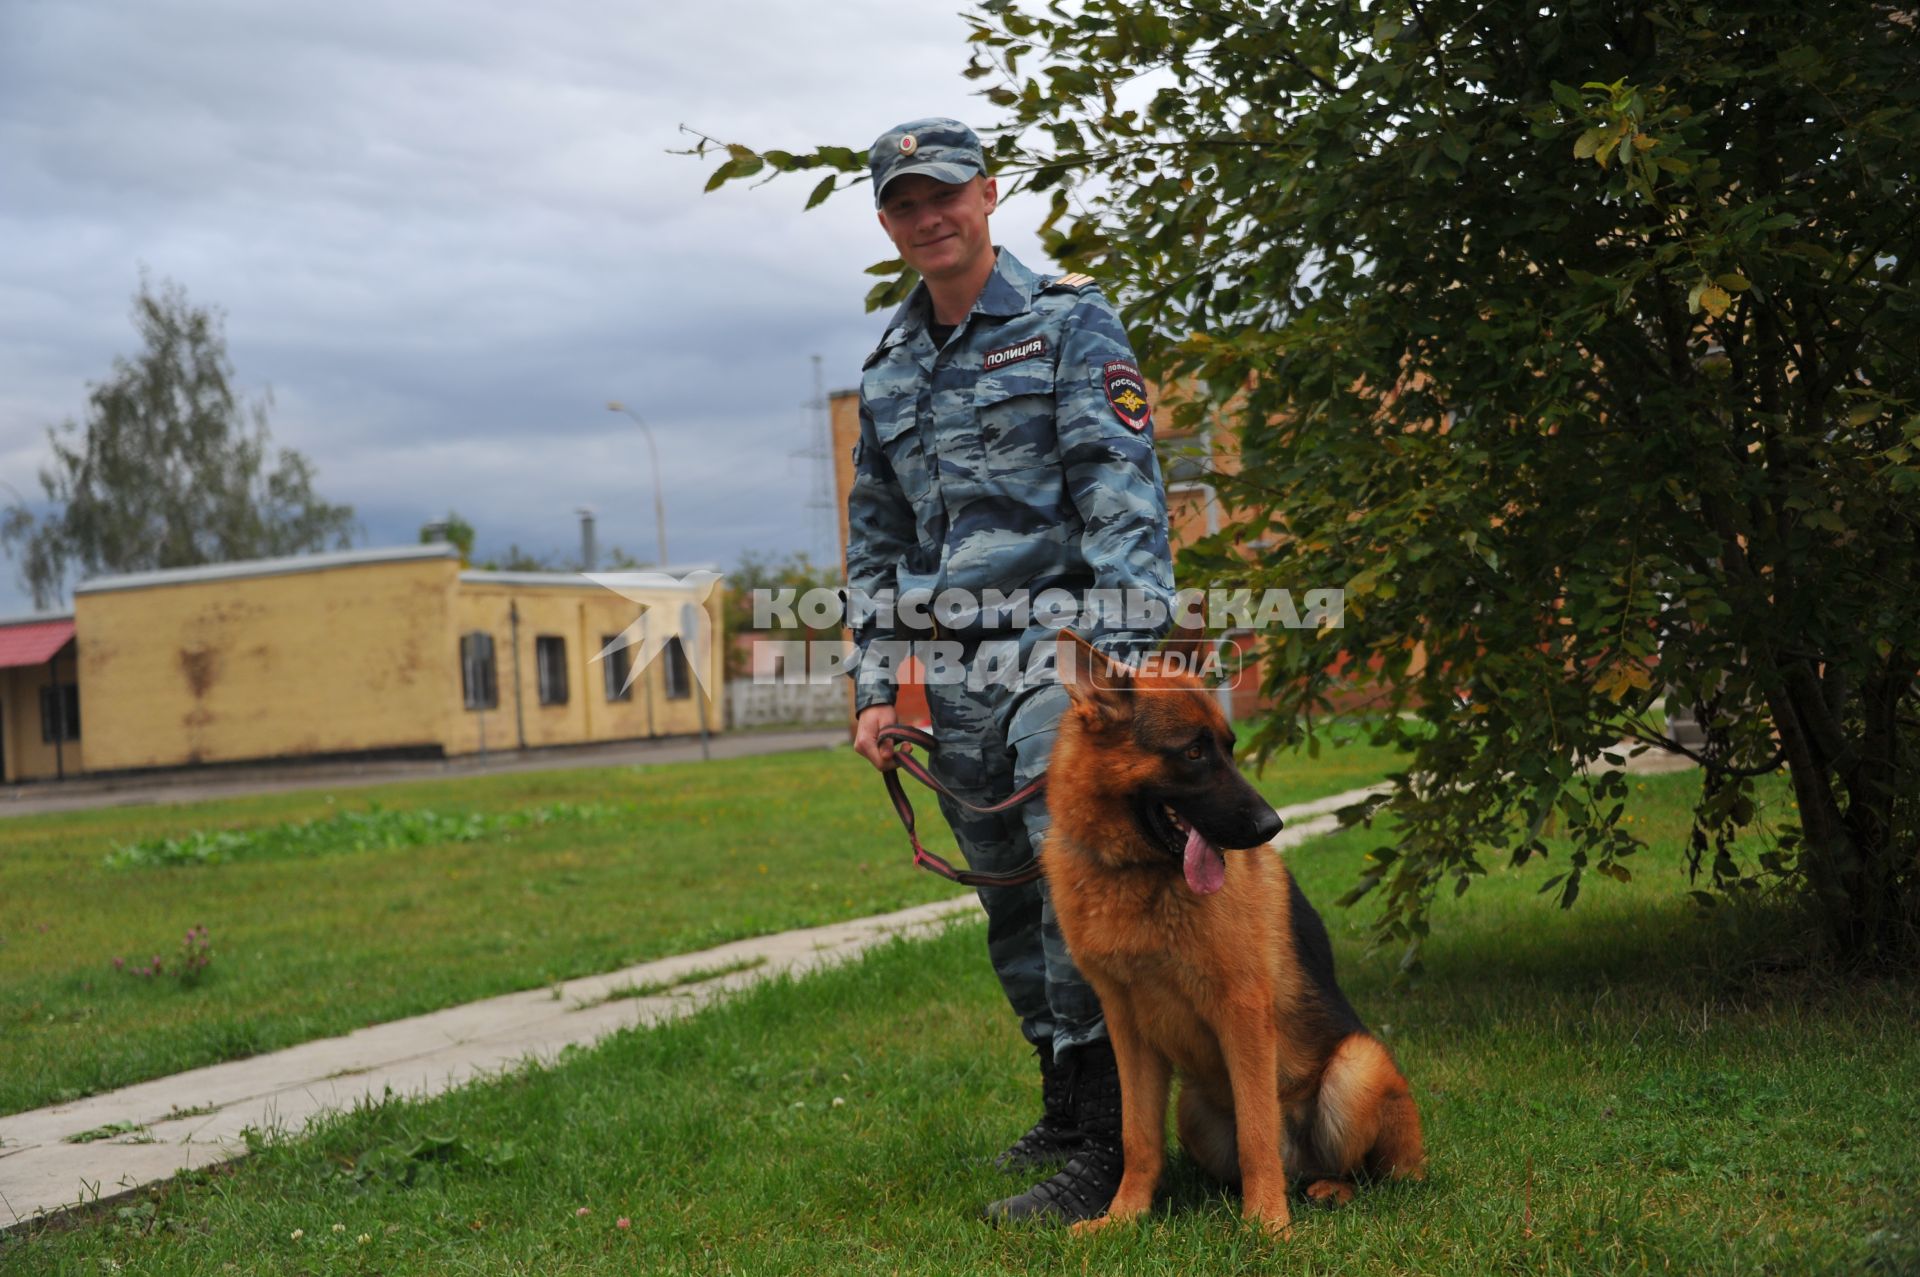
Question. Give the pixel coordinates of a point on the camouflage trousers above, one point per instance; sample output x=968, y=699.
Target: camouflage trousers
x=993, y=739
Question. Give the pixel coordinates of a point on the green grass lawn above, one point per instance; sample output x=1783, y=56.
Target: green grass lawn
x=310, y=937
x=1619, y=1088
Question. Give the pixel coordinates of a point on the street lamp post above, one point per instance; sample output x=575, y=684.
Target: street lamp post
x=659, y=502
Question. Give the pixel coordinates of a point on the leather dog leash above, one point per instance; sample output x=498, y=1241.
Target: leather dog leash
x=921, y=856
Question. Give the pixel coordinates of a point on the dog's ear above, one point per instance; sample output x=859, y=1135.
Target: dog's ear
x=1095, y=681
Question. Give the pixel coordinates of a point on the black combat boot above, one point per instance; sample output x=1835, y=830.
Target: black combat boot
x=1085, y=1188
x=1055, y=1137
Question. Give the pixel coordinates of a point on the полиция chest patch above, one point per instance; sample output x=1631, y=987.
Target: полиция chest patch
x=1032, y=348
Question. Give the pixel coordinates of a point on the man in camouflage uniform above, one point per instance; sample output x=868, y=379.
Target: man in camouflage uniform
x=1005, y=446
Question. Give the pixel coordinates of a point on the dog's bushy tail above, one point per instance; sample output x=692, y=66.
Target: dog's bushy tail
x=1366, y=1115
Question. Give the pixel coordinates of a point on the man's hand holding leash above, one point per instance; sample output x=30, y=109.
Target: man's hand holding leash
x=866, y=737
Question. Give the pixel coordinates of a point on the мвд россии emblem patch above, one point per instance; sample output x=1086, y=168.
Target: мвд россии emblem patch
x=1126, y=394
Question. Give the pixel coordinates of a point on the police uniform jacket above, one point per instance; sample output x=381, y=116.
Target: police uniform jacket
x=1018, y=456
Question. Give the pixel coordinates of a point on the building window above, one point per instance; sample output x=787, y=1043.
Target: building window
x=478, y=685
x=60, y=713
x=550, y=661
x=617, y=664
x=679, y=676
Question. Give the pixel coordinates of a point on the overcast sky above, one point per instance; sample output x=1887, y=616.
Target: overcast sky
x=445, y=235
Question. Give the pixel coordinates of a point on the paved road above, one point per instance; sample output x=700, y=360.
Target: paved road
x=198, y=786
x=84, y=793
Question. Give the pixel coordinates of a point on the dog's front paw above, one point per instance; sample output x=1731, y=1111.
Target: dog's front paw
x=1119, y=1212
x=1276, y=1222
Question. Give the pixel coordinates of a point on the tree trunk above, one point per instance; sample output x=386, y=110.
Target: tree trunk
x=1858, y=879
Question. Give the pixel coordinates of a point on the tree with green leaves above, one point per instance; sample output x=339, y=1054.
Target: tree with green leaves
x=453, y=530
x=171, y=467
x=1578, y=344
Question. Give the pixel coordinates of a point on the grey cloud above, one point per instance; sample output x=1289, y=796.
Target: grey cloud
x=445, y=235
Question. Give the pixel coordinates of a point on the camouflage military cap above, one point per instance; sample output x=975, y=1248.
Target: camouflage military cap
x=945, y=150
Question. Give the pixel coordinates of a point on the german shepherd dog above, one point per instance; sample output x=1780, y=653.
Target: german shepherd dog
x=1213, y=967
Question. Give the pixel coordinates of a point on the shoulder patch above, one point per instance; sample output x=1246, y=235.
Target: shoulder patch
x=1069, y=283
x=1126, y=394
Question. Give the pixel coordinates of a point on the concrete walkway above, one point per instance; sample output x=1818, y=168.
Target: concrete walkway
x=200, y=784
x=196, y=1119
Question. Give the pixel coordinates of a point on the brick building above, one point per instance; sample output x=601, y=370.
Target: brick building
x=385, y=651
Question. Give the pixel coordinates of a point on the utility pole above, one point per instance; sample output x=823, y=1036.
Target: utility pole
x=821, y=521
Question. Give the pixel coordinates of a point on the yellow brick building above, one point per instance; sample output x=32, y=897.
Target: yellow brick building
x=395, y=651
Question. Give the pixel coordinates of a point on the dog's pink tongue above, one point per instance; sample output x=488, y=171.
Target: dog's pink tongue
x=1206, y=872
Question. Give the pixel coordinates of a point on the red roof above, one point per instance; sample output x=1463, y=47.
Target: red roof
x=33, y=643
